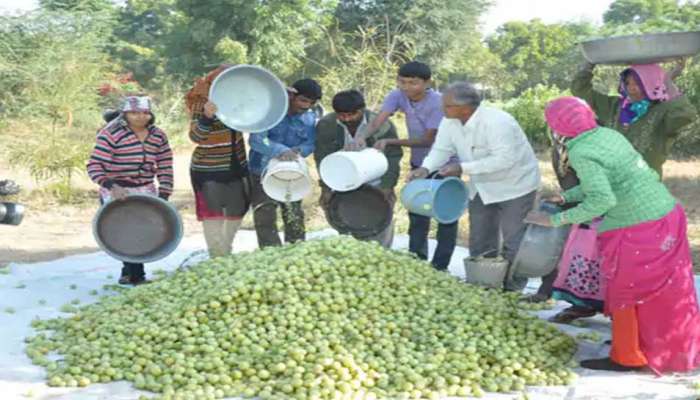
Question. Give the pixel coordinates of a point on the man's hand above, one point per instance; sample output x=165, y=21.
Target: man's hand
x=288, y=155
x=418, y=173
x=390, y=195
x=358, y=143
x=381, y=144
x=453, y=169
x=538, y=218
x=210, y=109
x=118, y=193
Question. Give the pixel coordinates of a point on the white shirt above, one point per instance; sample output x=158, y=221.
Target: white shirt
x=493, y=150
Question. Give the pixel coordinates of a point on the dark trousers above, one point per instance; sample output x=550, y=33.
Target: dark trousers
x=418, y=229
x=487, y=222
x=133, y=270
x=265, y=217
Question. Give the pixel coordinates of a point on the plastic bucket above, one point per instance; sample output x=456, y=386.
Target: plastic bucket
x=442, y=199
x=362, y=213
x=140, y=228
x=348, y=170
x=286, y=180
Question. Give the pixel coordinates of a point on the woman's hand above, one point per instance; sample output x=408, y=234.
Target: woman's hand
x=118, y=193
x=538, y=218
x=557, y=199
x=210, y=109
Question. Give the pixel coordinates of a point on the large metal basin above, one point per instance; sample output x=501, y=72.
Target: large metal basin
x=140, y=228
x=641, y=49
x=249, y=98
x=540, y=249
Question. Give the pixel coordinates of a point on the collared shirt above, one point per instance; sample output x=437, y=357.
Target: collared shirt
x=349, y=138
x=493, y=150
x=420, y=116
x=293, y=132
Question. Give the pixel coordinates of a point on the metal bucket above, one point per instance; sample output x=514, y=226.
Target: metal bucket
x=249, y=98
x=489, y=272
x=541, y=248
x=140, y=228
x=641, y=49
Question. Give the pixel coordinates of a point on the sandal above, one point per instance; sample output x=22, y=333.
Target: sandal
x=571, y=314
x=124, y=280
x=606, y=364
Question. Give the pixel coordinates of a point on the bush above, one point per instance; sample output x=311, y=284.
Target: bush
x=528, y=110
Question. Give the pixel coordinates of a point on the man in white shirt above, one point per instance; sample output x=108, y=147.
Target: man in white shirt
x=503, y=171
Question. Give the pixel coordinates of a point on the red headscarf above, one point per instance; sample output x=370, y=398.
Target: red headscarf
x=570, y=116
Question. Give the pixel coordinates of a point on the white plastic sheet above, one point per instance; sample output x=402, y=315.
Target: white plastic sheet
x=32, y=290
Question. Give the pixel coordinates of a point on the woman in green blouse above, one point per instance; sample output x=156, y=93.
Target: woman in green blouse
x=646, y=266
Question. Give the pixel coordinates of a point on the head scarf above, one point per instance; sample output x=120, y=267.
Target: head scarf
x=137, y=104
x=655, y=86
x=199, y=94
x=569, y=116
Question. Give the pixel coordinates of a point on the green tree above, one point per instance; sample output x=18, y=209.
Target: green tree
x=186, y=38
x=76, y=5
x=433, y=30
x=638, y=11
x=537, y=53
x=51, y=65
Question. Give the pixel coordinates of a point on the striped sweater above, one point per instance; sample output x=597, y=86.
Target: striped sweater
x=220, y=153
x=120, y=157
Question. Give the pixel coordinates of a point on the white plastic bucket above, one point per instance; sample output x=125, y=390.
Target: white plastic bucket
x=348, y=170
x=286, y=180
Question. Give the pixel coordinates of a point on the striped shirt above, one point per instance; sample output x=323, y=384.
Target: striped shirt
x=120, y=157
x=220, y=150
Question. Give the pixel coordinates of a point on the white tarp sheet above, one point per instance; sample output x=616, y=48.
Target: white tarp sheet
x=22, y=290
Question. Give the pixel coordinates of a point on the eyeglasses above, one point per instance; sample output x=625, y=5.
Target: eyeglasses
x=451, y=105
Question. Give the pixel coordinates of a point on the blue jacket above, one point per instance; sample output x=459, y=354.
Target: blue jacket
x=293, y=132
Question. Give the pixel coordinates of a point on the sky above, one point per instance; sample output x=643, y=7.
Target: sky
x=502, y=11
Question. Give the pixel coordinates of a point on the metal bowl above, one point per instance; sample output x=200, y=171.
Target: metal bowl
x=140, y=228
x=641, y=49
x=249, y=98
x=363, y=212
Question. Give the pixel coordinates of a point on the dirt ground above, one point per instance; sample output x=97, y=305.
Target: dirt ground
x=50, y=230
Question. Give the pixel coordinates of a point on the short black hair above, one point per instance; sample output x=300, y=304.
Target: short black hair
x=348, y=101
x=308, y=88
x=415, y=69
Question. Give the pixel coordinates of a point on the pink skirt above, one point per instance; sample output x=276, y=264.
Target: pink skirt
x=649, y=266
